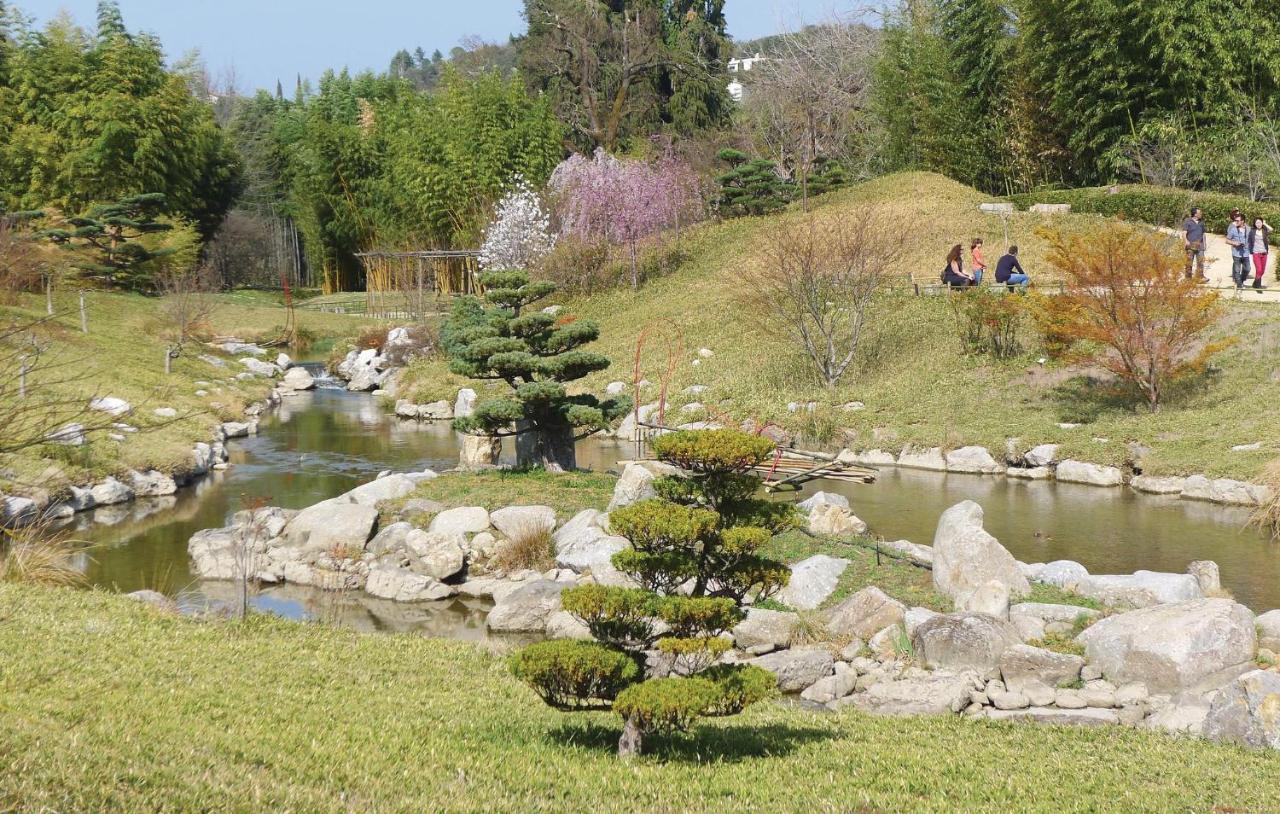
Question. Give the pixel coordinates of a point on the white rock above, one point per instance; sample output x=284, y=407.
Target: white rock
x=799, y=668
x=1140, y=589
x=298, y=379
x=283, y=361
x=462, y=520
x=392, y=487
x=1152, y=485
x=1224, y=490
x=972, y=460
x=705, y=353
x=464, y=405
x=830, y=520
x=152, y=484
x=111, y=405
x=938, y=693
x=479, y=451
x=1034, y=473
x=1089, y=474
x=966, y=557
x=564, y=625
x=991, y=598
x=110, y=492
x=1022, y=664
x=615, y=388
x=584, y=543
x=915, y=617
x=1170, y=648
x=864, y=614
x=1269, y=630
x=438, y=554
x=1247, y=712
x=823, y=498
x=1042, y=455
x=514, y=520
x=330, y=525
x=260, y=368
x=526, y=609
x=402, y=585
x=765, y=627
x=1065, y=574
x=971, y=641
x=636, y=483
x=69, y=435
x=929, y=459
x=812, y=581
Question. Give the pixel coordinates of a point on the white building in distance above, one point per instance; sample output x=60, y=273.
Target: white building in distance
x=740, y=65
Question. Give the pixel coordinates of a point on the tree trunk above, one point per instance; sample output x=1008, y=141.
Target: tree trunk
x=631, y=742
x=550, y=447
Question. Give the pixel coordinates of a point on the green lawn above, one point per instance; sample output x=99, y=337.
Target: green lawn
x=123, y=356
x=106, y=705
x=568, y=494
x=917, y=385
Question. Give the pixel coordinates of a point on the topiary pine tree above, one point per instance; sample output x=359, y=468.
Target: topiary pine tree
x=536, y=354
x=109, y=233
x=752, y=186
x=694, y=557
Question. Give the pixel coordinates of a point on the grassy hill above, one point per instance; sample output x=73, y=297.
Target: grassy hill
x=917, y=385
x=123, y=356
x=107, y=705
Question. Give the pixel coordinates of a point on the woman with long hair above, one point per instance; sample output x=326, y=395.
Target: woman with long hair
x=954, y=274
x=1260, y=248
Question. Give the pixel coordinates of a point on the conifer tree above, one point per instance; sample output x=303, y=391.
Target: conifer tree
x=536, y=354
x=694, y=558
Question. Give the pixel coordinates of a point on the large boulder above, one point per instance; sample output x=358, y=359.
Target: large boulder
x=965, y=641
x=332, y=524
x=764, y=628
x=516, y=520
x=257, y=367
x=152, y=484
x=966, y=557
x=1223, y=490
x=916, y=458
x=110, y=492
x=403, y=585
x=630, y=430
x=1089, y=474
x=1063, y=574
x=526, y=609
x=812, y=581
x=1042, y=455
x=636, y=483
x=865, y=614
x=1247, y=712
x=823, y=499
x=298, y=379
x=392, y=487
x=462, y=520
x=1021, y=665
x=479, y=451
x=438, y=554
x=1269, y=630
x=973, y=461
x=584, y=543
x=938, y=693
x=830, y=520
x=1141, y=589
x=1171, y=647
x=464, y=405
x=797, y=669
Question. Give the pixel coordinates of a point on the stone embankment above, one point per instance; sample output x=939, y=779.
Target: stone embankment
x=206, y=457
x=1156, y=650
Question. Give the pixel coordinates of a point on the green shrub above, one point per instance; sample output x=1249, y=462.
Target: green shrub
x=654, y=524
x=667, y=704
x=622, y=617
x=572, y=675
x=1162, y=206
x=752, y=186
x=988, y=321
x=711, y=450
x=740, y=685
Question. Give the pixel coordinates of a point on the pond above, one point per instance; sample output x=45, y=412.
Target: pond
x=321, y=444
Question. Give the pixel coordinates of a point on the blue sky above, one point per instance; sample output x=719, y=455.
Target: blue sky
x=269, y=39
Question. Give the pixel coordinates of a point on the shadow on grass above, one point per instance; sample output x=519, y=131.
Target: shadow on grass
x=1085, y=399
x=704, y=744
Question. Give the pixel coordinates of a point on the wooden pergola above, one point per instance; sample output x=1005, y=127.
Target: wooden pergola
x=411, y=283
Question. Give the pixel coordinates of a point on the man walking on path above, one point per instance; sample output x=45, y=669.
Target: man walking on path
x=1238, y=240
x=1193, y=240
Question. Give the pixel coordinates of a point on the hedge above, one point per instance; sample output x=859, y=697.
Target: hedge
x=1162, y=206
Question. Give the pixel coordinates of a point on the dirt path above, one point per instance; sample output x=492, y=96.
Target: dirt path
x=1218, y=270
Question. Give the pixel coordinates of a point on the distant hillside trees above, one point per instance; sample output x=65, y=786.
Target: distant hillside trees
x=1010, y=96
x=622, y=69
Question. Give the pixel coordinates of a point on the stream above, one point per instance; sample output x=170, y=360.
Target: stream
x=320, y=444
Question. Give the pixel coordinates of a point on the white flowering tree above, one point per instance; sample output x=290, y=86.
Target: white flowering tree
x=520, y=234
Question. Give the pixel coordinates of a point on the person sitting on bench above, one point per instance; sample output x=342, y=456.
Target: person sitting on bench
x=1009, y=271
x=953, y=274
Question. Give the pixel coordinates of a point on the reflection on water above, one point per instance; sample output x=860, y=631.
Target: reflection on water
x=321, y=444
x=1109, y=531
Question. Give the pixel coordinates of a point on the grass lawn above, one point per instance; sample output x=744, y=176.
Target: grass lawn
x=123, y=356
x=106, y=705
x=917, y=385
x=568, y=494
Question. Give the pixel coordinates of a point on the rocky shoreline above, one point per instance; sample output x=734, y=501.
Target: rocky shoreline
x=1156, y=650
x=206, y=457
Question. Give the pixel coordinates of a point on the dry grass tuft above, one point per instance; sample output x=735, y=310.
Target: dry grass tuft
x=1267, y=516
x=37, y=555
x=529, y=547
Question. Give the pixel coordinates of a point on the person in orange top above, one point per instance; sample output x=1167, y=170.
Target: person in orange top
x=979, y=262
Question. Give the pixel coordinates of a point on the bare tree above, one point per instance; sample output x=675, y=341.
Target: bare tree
x=23, y=265
x=809, y=97
x=816, y=280
x=188, y=299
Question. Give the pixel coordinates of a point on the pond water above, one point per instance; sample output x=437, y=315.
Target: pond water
x=321, y=444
